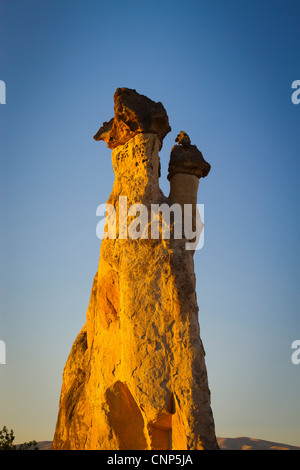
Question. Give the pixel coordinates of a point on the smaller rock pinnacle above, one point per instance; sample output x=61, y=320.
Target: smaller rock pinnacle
x=186, y=158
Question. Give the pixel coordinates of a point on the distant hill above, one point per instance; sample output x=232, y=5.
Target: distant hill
x=248, y=443
x=225, y=443
x=44, y=445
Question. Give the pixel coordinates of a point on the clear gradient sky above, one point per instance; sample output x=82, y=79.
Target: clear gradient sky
x=223, y=70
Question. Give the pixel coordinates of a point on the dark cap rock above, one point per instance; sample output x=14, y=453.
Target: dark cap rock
x=186, y=158
x=134, y=114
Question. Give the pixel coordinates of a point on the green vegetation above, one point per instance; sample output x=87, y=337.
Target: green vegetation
x=7, y=438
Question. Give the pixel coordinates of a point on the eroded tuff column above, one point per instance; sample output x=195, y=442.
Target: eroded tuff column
x=186, y=167
x=136, y=375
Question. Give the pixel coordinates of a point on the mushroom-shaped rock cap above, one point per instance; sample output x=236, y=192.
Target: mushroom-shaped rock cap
x=186, y=158
x=134, y=114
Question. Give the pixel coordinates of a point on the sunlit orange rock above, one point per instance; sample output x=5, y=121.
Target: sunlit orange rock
x=136, y=377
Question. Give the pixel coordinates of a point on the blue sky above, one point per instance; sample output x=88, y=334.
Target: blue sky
x=223, y=71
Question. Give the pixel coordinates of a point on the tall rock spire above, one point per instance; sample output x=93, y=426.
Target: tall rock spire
x=136, y=377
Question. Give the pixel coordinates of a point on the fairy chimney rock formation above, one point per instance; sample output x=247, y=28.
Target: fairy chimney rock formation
x=134, y=114
x=135, y=378
x=186, y=158
x=186, y=167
